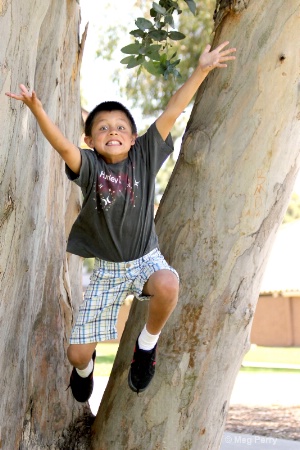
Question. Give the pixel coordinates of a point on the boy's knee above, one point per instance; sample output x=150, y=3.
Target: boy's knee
x=167, y=286
x=74, y=357
x=79, y=355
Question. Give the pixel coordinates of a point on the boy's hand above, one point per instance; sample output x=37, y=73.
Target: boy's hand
x=67, y=150
x=179, y=101
x=215, y=58
x=30, y=100
x=207, y=62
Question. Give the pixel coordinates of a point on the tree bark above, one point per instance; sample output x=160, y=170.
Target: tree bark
x=39, y=47
x=216, y=224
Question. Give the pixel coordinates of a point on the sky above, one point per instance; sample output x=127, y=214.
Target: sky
x=96, y=73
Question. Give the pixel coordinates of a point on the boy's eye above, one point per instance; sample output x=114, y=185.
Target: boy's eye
x=103, y=127
x=120, y=127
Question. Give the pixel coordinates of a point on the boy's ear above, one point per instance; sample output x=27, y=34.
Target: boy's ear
x=134, y=136
x=89, y=141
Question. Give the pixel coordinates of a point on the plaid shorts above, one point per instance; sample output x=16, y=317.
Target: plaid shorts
x=110, y=284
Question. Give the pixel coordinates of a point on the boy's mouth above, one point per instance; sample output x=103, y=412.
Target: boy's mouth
x=114, y=142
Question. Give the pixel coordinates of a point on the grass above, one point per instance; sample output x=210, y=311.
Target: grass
x=105, y=358
x=282, y=355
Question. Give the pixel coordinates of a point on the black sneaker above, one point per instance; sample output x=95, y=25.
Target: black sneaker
x=82, y=388
x=142, y=368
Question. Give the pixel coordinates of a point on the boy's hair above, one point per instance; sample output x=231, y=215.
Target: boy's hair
x=108, y=106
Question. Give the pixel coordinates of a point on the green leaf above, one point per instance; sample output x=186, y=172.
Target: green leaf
x=153, y=13
x=137, y=33
x=170, y=5
x=192, y=6
x=158, y=35
x=126, y=60
x=171, y=71
x=131, y=49
x=155, y=56
x=143, y=24
x=139, y=71
x=176, y=73
x=153, y=52
x=159, y=9
x=154, y=47
x=159, y=25
x=163, y=59
x=169, y=20
x=135, y=62
x=153, y=67
x=143, y=50
x=175, y=63
x=176, y=35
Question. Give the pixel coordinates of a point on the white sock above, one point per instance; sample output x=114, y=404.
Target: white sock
x=146, y=340
x=84, y=373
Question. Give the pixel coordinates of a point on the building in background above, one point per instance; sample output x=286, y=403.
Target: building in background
x=277, y=316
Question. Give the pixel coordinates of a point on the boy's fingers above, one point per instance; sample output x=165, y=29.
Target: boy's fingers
x=207, y=48
x=221, y=46
x=227, y=58
x=15, y=96
x=227, y=52
x=24, y=90
x=24, y=94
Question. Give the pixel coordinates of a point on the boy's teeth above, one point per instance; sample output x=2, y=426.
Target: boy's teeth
x=113, y=143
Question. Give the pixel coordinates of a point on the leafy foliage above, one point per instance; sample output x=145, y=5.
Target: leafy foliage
x=293, y=209
x=151, y=93
x=150, y=49
x=143, y=89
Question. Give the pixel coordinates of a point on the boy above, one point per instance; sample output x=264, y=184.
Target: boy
x=116, y=223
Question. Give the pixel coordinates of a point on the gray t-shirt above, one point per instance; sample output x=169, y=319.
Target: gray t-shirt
x=116, y=222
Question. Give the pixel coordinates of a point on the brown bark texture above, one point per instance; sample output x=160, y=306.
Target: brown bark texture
x=216, y=224
x=40, y=48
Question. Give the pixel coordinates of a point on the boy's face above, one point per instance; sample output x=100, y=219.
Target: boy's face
x=112, y=136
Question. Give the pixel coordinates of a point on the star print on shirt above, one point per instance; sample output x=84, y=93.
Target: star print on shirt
x=111, y=186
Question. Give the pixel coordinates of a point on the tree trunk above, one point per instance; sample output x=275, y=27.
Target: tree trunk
x=216, y=224
x=39, y=47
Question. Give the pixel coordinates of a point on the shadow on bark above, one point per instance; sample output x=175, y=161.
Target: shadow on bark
x=78, y=435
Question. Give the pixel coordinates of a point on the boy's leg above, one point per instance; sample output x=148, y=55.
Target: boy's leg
x=162, y=288
x=82, y=357
x=96, y=322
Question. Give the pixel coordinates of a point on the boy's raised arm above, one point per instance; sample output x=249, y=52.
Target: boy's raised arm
x=179, y=101
x=68, y=151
